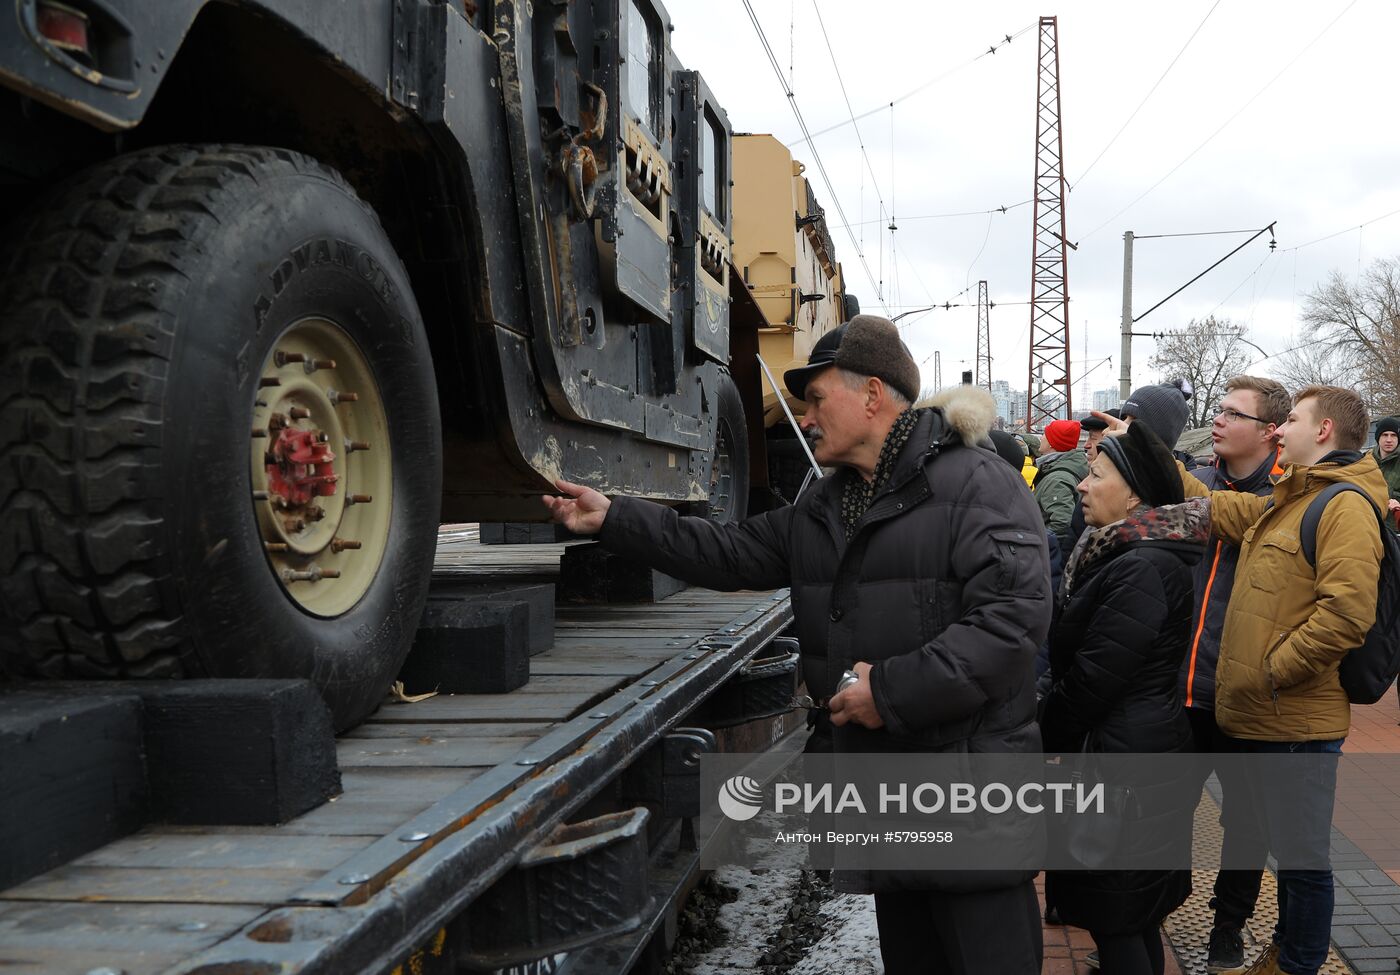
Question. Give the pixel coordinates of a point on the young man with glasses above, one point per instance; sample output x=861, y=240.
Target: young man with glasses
x=1290, y=622
x=1245, y=437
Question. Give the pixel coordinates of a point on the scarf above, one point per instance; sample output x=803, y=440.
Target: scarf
x=1189, y=521
x=858, y=493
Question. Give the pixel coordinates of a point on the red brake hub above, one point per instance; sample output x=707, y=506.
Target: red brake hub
x=301, y=467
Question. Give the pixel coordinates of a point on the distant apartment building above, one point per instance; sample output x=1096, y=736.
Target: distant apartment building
x=1106, y=399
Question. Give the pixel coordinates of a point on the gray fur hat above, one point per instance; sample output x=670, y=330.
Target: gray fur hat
x=867, y=345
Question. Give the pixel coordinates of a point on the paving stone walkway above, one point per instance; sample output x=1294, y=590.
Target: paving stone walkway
x=1365, y=858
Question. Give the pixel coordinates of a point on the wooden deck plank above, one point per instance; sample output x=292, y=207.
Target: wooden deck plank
x=376, y=800
x=539, y=706
x=246, y=885
x=77, y=938
x=393, y=729
x=628, y=667
x=139, y=891
x=414, y=750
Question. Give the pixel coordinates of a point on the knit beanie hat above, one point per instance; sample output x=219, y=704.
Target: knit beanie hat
x=1146, y=464
x=1008, y=448
x=1390, y=424
x=1162, y=407
x=867, y=345
x=1063, y=434
x=1032, y=443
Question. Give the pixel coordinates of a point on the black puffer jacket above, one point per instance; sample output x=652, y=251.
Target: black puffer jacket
x=944, y=588
x=1116, y=649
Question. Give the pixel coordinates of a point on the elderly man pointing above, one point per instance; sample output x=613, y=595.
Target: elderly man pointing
x=921, y=565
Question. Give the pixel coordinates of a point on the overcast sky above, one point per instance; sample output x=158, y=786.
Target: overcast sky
x=1313, y=148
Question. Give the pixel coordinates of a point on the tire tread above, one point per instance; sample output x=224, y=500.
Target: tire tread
x=85, y=347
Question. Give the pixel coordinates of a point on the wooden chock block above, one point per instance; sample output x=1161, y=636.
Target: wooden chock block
x=71, y=777
x=237, y=752
x=538, y=598
x=590, y=573
x=469, y=647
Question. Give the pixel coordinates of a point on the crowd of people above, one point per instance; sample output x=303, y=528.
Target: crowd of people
x=1085, y=591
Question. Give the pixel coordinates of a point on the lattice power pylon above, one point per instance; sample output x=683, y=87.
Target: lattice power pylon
x=1048, y=379
x=984, y=337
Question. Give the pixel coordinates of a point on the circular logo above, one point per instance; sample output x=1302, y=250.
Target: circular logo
x=740, y=798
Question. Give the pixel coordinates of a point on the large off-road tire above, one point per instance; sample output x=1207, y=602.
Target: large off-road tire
x=219, y=434
x=729, y=474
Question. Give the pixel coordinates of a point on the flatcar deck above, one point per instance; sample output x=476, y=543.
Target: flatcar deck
x=441, y=797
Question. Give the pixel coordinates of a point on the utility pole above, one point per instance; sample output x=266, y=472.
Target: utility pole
x=937, y=370
x=1125, y=350
x=1049, y=257
x=984, y=337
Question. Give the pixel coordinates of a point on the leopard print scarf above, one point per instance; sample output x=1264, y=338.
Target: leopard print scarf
x=1188, y=521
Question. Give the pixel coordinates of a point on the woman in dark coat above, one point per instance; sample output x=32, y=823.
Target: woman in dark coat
x=1116, y=646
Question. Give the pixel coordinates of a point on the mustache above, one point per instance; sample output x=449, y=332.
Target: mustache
x=813, y=434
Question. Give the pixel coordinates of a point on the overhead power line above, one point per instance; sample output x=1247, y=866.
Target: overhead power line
x=1268, y=229
x=1223, y=125
x=1318, y=240
x=991, y=49
x=1007, y=208
x=885, y=211
x=1198, y=233
x=816, y=156
x=1154, y=87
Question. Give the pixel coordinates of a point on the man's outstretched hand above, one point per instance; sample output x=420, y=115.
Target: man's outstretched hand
x=1116, y=427
x=582, y=512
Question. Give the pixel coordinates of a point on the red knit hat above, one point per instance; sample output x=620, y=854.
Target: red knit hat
x=1063, y=434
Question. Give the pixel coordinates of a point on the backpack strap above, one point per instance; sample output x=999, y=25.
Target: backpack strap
x=1313, y=516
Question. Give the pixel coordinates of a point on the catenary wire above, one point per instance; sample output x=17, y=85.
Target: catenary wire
x=1238, y=112
x=816, y=156
x=1150, y=91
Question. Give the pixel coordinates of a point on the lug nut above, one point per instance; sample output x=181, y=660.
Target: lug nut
x=315, y=513
x=299, y=413
x=282, y=358
x=293, y=525
x=338, y=398
x=315, y=574
x=358, y=499
x=341, y=544
x=267, y=381
x=259, y=495
x=313, y=364
x=259, y=434
x=353, y=445
x=276, y=546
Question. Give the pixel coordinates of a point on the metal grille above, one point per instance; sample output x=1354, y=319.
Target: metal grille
x=1188, y=927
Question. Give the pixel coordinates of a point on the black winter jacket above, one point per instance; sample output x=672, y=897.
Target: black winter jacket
x=1115, y=651
x=944, y=588
x=1214, y=577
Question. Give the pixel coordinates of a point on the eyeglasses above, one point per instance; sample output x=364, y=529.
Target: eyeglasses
x=1232, y=415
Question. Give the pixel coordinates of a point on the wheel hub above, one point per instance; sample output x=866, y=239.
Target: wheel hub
x=320, y=492
x=301, y=467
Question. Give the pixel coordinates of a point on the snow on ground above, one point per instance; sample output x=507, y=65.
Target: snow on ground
x=755, y=920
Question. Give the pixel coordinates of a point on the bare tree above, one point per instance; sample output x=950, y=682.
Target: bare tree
x=1207, y=352
x=1359, y=322
x=1314, y=362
